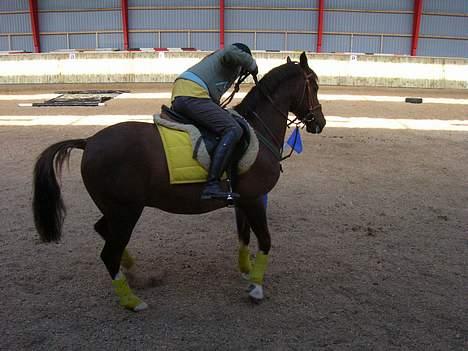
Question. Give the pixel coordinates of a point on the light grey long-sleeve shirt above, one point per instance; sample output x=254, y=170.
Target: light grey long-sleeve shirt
x=220, y=69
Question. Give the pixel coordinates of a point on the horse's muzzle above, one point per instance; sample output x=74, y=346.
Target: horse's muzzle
x=315, y=120
x=314, y=127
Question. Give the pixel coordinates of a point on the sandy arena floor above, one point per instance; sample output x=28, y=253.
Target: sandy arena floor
x=369, y=244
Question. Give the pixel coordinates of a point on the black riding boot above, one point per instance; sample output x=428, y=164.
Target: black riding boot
x=219, y=162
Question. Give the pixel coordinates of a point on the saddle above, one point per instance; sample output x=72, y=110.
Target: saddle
x=203, y=143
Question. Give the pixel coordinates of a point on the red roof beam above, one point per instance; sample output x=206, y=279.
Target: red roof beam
x=221, y=24
x=124, y=7
x=34, y=25
x=320, y=25
x=418, y=6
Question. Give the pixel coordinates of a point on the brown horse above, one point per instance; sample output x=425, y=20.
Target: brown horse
x=124, y=169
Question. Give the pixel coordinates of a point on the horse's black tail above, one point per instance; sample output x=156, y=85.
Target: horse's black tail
x=48, y=207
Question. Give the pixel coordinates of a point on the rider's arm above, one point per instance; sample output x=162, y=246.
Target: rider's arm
x=235, y=56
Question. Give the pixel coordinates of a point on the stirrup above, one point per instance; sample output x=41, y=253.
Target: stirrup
x=213, y=191
x=231, y=199
x=227, y=196
x=221, y=196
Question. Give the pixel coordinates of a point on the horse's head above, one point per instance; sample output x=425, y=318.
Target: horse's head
x=306, y=106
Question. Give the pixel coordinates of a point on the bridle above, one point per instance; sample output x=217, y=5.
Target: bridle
x=307, y=92
x=308, y=118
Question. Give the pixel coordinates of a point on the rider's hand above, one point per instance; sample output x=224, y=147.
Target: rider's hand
x=254, y=72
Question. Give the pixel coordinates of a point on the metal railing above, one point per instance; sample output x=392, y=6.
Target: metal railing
x=285, y=44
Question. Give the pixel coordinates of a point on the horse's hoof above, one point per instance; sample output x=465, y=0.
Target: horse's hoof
x=140, y=307
x=255, y=292
x=254, y=300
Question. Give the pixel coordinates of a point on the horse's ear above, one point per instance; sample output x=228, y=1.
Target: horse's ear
x=288, y=60
x=303, y=60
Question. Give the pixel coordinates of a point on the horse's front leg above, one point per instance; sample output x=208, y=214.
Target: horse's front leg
x=243, y=231
x=255, y=213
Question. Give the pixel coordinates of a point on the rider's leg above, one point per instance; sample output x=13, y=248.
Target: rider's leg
x=219, y=162
x=214, y=118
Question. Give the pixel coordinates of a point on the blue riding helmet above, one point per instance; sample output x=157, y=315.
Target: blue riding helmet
x=243, y=47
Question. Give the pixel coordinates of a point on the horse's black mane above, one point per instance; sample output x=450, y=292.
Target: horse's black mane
x=278, y=75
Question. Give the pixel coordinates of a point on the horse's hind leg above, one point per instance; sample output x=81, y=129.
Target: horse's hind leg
x=101, y=227
x=120, y=225
x=243, y=231
x=256, y=216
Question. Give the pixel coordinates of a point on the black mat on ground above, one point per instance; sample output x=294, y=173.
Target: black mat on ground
x=86, y=98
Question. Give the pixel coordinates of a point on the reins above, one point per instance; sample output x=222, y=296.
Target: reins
x=310, y=112
x=263, y=139
x=268, y=143
x=228, y=100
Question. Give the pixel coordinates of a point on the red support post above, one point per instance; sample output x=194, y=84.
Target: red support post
x=418, y=6
x=320, y=25
x=34, y=25
x=124, y=7
x=221, y=24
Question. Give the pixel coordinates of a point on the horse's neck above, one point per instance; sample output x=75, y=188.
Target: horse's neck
x=267, y=118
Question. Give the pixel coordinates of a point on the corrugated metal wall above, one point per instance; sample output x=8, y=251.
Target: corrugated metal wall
x=272, y=25
x=444, y=29
x=368, y=26
x=451, y=6
x=364, y=26
x=176, y=23
x=15, y=26
x=386, y=5
x=84, y=24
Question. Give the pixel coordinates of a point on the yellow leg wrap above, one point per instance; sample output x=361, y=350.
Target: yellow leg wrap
x=127, y=261
x=245, y=265
x=125, y=294
x=259, y=268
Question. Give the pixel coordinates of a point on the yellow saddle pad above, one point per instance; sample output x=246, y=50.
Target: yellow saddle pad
x=179, y=154
x=190, y=164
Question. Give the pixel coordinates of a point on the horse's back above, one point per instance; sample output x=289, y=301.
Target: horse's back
x=125, y=132
x=126, y=163
x=123, y=143
x=122, y=159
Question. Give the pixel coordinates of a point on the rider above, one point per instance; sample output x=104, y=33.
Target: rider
x=196, y=94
